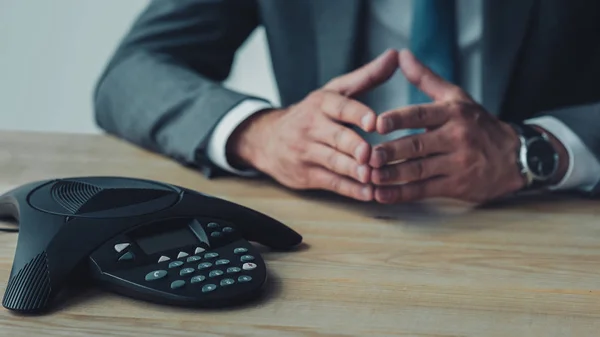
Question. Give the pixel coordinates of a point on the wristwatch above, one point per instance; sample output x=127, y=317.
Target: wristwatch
x=536, y=157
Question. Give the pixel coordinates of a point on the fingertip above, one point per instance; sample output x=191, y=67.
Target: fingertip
x=406, y=57
x=384, y=195
x=393, y=51
x=378, y=158
x=379, y=176
x=404, y=53
x=366, y=193
x=380, y=125
x=368, y=121
x=361, y=153
x=375, y=177
x=389, y=52
x=407, y=62
x=373, y=161
x=364, y=173
x=384, y=124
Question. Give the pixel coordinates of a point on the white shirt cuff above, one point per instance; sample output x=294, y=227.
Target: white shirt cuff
x=217, y=143
x=583, y=168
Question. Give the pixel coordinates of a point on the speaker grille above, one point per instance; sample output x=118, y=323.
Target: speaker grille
x=102, y=197
x=72, y=195
x=30, y=289
x=114, y=198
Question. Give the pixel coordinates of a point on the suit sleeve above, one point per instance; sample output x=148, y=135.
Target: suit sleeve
x=584, y=121
x=161, y=89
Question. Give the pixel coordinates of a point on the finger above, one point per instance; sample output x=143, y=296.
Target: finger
x=412, y=170
x=413, y=117
x=337, y=162
x=342, y=139
x=410, y=147
x=347, y=110
x=431, y=188
x=428, y=81
x=366, y=77
x=321, y=178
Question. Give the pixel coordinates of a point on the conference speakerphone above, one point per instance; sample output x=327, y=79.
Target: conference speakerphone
x=139, y=238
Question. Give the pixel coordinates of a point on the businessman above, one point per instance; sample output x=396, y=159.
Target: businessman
x=386, y=100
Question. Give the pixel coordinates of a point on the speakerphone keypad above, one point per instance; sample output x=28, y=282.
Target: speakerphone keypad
x=220, y=263
x=210, y=276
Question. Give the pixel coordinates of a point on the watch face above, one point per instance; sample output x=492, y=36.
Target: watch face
x=541, y=158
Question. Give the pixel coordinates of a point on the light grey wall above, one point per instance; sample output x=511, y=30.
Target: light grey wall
x=52, y=52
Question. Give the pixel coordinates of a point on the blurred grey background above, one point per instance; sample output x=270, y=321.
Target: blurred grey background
x=52, y=52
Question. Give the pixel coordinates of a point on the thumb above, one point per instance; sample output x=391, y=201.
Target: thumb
x=428, y=81
x=366, y=77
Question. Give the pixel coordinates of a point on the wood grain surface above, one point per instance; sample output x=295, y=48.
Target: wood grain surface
x=525, y=267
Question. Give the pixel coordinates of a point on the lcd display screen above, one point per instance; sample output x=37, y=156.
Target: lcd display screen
x=166, y=240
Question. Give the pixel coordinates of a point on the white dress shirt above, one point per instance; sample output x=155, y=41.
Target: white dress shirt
x=388, y=26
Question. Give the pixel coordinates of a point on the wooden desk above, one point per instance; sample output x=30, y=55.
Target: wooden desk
x=529, y=268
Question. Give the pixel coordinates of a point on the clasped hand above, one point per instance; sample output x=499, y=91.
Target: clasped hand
x=465, y=152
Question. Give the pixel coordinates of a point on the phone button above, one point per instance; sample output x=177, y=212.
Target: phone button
x=208, y=288
x=119, y=247
x=193, y=258
x=240, y=250
x=186, y=271
x=204, y=265
x=233, y=270
x=198, y=278
x=247, y=258
x=227, y=282
x=127, y=256
x=155, y=275
x=221, y=262
x=177, y=284
x=248, y=266
x=244, y=278
x=175, y=264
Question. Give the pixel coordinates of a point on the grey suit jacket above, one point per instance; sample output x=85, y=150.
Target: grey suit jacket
x=161, y=90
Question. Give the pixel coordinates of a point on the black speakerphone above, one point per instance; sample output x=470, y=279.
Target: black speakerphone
x=144, y=239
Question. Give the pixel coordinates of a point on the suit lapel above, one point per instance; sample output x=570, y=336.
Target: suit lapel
x=336, y=25
x=505, y=27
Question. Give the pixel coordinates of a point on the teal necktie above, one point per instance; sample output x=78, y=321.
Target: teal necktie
x=433, y=40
